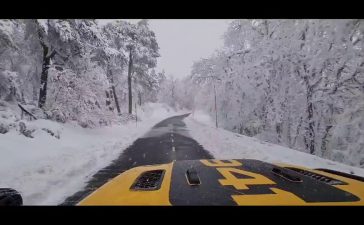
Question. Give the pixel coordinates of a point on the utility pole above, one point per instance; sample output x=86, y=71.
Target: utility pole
x=215, y=105
x=136, y=115
x=214, y=78
x=130, y=73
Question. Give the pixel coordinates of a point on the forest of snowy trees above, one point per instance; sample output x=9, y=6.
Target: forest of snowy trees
x=297, y=83
x=78, y=70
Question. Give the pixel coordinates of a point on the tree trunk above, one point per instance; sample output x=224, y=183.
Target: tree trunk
x=108, y=102
x=289, y=127
x=116, y=99
x=129, y=82
x=310, y=144
x=44, y=77
x=47, y=56
x=140, y=98
x=297, y=132
x=325, y=140
x=114, y=92
x=327, y=136
x=279, y=132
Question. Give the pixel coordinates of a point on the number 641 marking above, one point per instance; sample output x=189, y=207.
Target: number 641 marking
x=278, y=196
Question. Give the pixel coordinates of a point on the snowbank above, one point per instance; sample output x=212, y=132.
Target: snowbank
x=45, y=169
x=224, y=144
x=158, y=111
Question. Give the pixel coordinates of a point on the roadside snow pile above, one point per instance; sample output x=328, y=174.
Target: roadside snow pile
x=47, y=168
x=202, y=117
x=223, y=144
x=158, y=111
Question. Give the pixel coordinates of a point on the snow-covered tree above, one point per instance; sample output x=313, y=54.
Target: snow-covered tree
x=75, y=69
x=288, y=82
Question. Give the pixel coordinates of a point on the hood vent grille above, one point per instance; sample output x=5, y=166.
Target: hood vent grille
x=149, y=181
x=318, y=177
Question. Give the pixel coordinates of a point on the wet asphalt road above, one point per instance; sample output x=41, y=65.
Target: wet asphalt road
x=167, y=141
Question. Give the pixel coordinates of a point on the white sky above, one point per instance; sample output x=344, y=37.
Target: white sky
x=183, y=41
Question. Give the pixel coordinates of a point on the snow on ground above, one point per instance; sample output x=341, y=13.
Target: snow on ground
x=224, y=144
x=46, y=170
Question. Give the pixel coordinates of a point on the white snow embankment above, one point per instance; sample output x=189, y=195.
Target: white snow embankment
x=46, y=170
x=223, y=144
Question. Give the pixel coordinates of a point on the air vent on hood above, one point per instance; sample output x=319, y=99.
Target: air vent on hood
x=149, y=181
x=318, y=177
x=282, y=173
x=192, y=177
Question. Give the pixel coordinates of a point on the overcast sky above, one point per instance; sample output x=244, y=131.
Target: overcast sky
x=184, y=41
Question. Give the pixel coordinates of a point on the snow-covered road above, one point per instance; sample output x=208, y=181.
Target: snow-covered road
x=46, y=170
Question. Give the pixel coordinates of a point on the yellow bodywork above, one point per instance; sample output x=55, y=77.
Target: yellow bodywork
x=354, y=187
x=117, y=191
